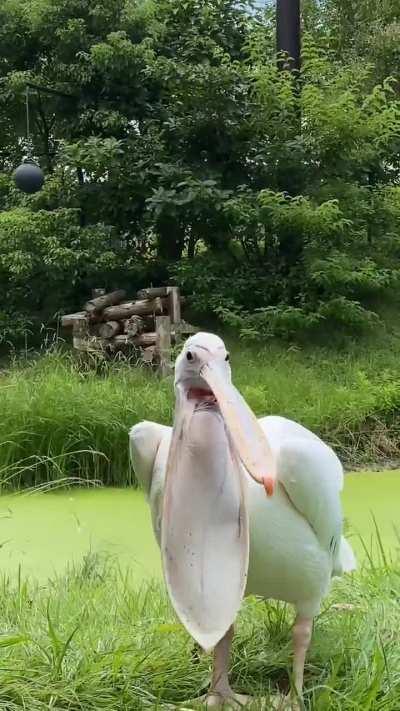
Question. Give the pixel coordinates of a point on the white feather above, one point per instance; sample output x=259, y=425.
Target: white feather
x=291, y=554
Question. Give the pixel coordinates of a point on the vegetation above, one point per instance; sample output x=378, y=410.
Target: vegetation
x=181, y=152
x=59, y=418
x=58, y=652
x=352, y=30
x=176, y=151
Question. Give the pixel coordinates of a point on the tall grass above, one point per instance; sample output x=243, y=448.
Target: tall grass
x=90, y=640
x=59, y=419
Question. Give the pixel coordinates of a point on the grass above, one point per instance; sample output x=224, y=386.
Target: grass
x=57, y=419
x=60, y=419
x=91, y=640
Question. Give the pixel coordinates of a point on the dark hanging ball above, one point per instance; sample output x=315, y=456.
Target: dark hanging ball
x=29, y=177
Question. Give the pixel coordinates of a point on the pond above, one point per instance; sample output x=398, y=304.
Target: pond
x=45, y=532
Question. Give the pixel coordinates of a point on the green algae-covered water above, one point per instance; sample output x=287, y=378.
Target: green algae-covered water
x=370, y=496
x=46, y=532
x=43, y=533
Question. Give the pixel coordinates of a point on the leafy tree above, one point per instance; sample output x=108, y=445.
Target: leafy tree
x=177, y=148
x=354, y=30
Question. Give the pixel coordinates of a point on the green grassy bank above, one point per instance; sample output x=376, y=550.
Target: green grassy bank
x=91, y=640
x=58, y=419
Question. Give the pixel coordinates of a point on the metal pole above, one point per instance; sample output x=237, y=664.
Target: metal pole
x=288, y=31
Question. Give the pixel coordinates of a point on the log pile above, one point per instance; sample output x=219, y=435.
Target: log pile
x=147, y=326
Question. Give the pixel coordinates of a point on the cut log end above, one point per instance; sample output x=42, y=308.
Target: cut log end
x=152, y=293
x=110, y=329
x=68, y=320
x=149, y=354
x=135, y=325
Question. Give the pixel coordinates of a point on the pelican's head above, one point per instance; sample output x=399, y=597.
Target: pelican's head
x=203, y=373
x=198, y=352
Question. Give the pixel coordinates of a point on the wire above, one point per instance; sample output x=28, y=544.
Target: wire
x=28, y=137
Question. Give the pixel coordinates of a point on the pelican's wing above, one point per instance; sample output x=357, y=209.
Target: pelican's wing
x=144, y=441
x=148, y=447
x=312, y=477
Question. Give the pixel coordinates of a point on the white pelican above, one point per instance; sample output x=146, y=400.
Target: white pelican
x=223, y=535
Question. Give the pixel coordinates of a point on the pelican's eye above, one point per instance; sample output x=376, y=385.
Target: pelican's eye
x=227, y=356
x=189, y=355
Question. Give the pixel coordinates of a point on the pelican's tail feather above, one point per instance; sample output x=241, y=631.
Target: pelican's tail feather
x=346, y=561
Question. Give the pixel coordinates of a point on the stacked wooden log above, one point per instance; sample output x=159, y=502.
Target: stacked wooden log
x=149, y=324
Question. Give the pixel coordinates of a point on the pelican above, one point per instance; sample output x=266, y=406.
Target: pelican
x=239, y=507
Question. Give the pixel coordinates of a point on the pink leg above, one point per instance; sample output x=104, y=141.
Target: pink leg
x=220, y=682
x=302, y=632
x=220, y=691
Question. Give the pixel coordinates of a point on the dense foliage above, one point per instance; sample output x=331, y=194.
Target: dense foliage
x=181, y=152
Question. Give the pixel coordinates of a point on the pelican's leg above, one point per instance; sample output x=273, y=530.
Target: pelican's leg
x=220, y=694
x=302, y=632
x=220, y=687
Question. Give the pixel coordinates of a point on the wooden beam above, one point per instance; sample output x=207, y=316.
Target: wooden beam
x=163, y=344
x=153, y=292
x=184, y=329
x=144, y=340
x=174, y=307
x=69, y=320
x=100, y=302
x=80, y=334
x=133, y=308
x=120, y=340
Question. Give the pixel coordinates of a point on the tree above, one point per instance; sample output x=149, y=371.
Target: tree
x=177, y=150
x=358, y=30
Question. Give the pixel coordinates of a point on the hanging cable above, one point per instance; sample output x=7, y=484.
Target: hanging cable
x=28, y=135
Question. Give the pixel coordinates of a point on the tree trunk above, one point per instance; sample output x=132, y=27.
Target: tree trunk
x=288, y=32
x=171, y=239
x=191, y=245
x=81, y=181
